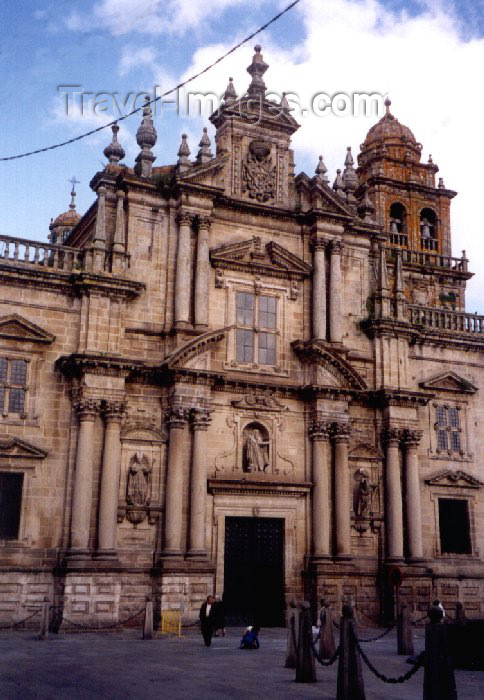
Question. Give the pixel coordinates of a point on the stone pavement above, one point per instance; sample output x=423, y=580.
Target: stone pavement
x=121, y=665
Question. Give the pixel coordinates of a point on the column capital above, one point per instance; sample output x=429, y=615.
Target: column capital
x=184, y=218
x=87, y=409
x=318, y=429
x=204, y=222
x=336, y=247
x=411, y=437
x=318, y=242
x=200, y=418
x=391, y=436
x=177, y=417
x=113, y=410
x=340, y=432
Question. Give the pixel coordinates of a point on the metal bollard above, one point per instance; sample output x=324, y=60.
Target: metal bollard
x=292, y=631
x=404, y=632
x=305, y=667
x=148, y=624
x=327, y=645
x=44, y=619
x=439, y=680
x=350, y=678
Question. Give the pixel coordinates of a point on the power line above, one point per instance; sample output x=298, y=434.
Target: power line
x=168, y=92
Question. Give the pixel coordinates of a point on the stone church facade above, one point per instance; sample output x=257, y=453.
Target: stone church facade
x=228, y=378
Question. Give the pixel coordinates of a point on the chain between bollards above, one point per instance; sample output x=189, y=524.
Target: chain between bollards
x=386, y=679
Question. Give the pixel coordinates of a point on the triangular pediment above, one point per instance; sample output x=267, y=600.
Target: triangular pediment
x=16, y=327
x=14, y=447
x=449, y=381
x=205, y=174
x=454, y=478
x=321, y=197
x=251, y=255
x=364, y=450
x=330, y=364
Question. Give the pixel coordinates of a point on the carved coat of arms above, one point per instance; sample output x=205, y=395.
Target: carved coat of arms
x=259, y=173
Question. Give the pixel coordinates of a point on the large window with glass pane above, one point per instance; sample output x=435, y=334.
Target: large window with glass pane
x=448, y=428
x=256, y=319
x=13, y=386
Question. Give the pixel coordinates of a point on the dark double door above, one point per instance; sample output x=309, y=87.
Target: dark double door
x=254, y=571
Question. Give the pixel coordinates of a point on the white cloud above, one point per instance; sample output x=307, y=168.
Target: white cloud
x=155, y=17
x=430, y=71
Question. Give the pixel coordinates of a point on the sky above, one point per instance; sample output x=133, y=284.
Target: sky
x=428, y=56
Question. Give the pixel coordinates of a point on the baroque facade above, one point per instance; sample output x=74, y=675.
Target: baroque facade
x=226, y=377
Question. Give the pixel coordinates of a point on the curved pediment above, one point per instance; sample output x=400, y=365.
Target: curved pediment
x=335, y=370
x=196, y=346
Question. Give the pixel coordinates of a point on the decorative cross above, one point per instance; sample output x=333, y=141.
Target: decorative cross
x=74, y=182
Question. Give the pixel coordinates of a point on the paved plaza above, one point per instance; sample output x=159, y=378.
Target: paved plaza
x=121, y=665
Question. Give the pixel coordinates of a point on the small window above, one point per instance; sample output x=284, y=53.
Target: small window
x=255, y=337
x=454, y=526
x=448, y=429
x=10, y=502
x=13, y=386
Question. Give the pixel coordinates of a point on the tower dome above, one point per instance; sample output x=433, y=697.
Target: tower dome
x=61, y=227
x=390, y=137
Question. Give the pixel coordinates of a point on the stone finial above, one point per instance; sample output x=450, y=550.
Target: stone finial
x=387, y=104
x=183, y=162
x=257, y=69
x=114, y=152
x=285, y=103
x=365, y=207
x=350, y=178
x=321, y=170
x=204, y=154
x=230, y=93
x=338, y=184
x=146, y=137
x=441, y=183
x=430, y=160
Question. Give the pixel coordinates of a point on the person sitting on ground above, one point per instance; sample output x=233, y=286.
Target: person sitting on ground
x=250, y=640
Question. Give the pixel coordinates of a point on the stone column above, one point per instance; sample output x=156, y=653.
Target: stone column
x=318, y=432
x=174, y=484
x=341, y=437
x=412, y=494
x=202, y=274
x=182, y=274
x=393, y=490
x=198, y=490
x=335, y=295
x=109, y=496
x=87, y=410
x=318, y=245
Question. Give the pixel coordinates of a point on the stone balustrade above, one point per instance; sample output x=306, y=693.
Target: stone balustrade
x=428, y=258
x=446, y=319
x=26, y=252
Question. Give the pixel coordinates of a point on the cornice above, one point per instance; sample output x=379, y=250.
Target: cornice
x=258, y=488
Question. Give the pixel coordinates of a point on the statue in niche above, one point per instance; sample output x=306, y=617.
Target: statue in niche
x=139, y=481
x=364, y=496
x=256, y=451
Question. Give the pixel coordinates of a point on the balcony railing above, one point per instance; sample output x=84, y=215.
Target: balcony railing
x=446, y=320
x=421, y=257
x=400, y=239
x=429, y=244
x=58, y=257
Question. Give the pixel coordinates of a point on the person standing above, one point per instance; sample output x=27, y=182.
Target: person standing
x=218, y=616
x=206, y=620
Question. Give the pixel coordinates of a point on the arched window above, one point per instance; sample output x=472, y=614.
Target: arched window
x=398, y=224
x=428, y=229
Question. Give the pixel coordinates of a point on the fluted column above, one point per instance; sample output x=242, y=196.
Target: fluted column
x=87, y=410
x=109, y=496
x=335, y=294
x=393, y=490
x=318, y=432
x=202, y=273
x=182, y=274
x=198, y=489
x=341, y=436
x=174, y=484
x=318, y=245
x=413, y=515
